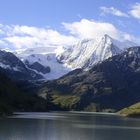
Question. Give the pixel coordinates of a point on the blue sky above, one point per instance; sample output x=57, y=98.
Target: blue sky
x=69, y=20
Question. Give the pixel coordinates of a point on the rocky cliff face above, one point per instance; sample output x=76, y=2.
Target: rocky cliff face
x=89, y=52
x=14, y=68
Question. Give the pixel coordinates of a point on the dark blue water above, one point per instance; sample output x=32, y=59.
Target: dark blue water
x=69, y=126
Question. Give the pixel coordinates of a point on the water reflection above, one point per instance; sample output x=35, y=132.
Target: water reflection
x=69, y=126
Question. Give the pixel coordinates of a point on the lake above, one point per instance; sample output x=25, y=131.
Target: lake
x=69, y=126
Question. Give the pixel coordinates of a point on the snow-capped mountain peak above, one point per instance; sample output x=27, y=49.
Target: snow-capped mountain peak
x=53, y=62
x=86, y=53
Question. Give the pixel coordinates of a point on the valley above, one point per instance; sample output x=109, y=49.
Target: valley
x=93, y=75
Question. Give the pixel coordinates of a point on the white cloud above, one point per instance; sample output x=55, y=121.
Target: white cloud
x=3, y=43
x=21, y=37
x=20, y=42
x=93, y=29
x=113, y=11
x=1, y=32
x=135, y=10
x=49, y=36
x=26, y=36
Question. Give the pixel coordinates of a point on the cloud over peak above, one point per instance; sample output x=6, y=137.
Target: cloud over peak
x=22, y=37
x=93, y=29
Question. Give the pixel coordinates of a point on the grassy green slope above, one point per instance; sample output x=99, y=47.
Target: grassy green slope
x=131, y=111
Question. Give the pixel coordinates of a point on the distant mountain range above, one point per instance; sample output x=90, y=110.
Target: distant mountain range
x=86, y=53
x=93, y=75
x=15, y=69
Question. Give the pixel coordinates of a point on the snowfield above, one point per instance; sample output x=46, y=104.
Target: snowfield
x=63, y=59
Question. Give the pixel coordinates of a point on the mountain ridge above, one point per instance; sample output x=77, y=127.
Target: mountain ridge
x=112, y=84
x=14, y=68
x=89, y=52
x=84, y=55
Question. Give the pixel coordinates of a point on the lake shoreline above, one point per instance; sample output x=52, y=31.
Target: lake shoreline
x=76, y=112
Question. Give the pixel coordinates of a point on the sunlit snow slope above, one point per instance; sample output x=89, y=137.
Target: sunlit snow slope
x=84, y=54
